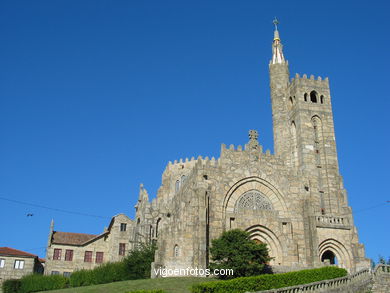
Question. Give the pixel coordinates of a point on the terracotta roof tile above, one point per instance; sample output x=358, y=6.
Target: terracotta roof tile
x=71, y=238
x=15, y=252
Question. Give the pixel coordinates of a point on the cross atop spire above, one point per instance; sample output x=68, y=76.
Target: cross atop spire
x=277, y=47
x=275, y=22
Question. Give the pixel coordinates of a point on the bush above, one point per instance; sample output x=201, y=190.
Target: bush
x=235, y=250
x=138, y=262
x=11, y=286
x=106, y=273
x=137, y=265
x=266, y=282
x=35, y=283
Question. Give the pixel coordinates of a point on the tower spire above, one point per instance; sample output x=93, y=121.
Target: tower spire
x=277, y=47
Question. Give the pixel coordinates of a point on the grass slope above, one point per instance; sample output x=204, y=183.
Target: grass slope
x=170, y=285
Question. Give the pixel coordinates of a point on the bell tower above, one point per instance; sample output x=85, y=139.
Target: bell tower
x=304, y=131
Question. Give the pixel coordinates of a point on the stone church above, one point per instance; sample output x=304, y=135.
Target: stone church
x=293, y=200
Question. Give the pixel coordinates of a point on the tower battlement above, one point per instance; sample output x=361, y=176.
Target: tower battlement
x=239, y=152
x=312, y=81
x=187, y=163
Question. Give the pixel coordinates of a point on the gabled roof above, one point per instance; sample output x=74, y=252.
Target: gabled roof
x=80, y=239
x=113, y=220
x=14, y=252
x=73, y=238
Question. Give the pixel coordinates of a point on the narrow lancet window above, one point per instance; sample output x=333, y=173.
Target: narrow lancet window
x=313, y=97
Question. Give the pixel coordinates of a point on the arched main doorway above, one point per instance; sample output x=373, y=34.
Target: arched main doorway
x=336, y=253
x=261, y=234
x=329, y=257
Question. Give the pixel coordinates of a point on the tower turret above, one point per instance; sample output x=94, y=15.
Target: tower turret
x=279, y=82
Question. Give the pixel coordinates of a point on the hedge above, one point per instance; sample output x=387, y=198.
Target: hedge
x=35, y=283
x=106, y=273
x=11, y=286
x=266, y=282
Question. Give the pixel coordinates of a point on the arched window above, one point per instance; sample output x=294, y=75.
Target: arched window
x=183, y=179
x=157, y=226
x=322, y=99
x=317, y=126
x=330, y=257
x=176, y=250
x=305, y=97
x=177, y=185
x=294, y=151
x=253, y=200
x=313, y=96
x=291, y=101
x=318, y=139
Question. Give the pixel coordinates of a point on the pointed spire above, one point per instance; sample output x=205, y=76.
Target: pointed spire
x=277, y=47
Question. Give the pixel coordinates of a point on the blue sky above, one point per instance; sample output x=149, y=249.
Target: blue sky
x=97, y=96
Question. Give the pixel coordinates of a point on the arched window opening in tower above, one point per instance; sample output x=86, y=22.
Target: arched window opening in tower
x=176, y=250
x=294, y=150
x=329, y=257
x=183, y=179
x=291, y=101
x=177, y=185
x=322, y=99
x=305, y=97
x=313, y=96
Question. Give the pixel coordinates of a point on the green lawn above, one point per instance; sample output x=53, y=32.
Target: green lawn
x=170, y=285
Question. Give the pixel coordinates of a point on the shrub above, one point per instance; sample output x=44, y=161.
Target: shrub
x=106, y=273
x=11, y=286
x=138, y=262
x=136, y=265
x=81, y=278
x=35, y=283
x=235, y=250
x=266, y=282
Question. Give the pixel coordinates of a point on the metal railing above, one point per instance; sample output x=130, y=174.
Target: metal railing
x=362, y=278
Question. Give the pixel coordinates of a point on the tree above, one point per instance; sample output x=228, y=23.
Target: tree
x=139, y=260
x=235, y=250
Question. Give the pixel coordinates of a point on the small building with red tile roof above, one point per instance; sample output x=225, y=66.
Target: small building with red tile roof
x=15, y=264
x=68, y=251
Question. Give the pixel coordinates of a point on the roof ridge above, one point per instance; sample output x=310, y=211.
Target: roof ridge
x=13, y=251
x=76, y=233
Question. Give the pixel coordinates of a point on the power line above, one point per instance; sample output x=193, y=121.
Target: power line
x=372, y=207
x=36, y=248
x=53, y=209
